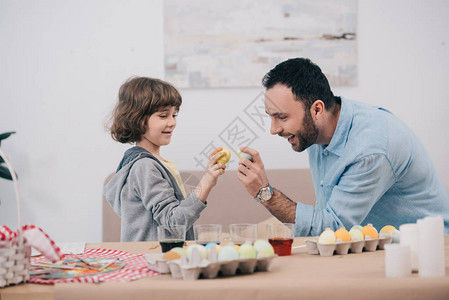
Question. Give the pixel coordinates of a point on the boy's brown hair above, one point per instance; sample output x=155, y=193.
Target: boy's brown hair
x=138, y=99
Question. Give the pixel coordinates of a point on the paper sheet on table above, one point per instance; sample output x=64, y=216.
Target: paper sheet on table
x=66, y=248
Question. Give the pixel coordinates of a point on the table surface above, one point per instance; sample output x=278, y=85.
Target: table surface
x=301, y=275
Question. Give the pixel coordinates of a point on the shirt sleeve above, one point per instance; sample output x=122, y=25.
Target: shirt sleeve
x=358, y=189
x=158, y=196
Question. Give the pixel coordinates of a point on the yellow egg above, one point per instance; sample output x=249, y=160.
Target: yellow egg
x=247, y=250
x=343, y=235
x=359, y=227
x=327, y=237
x=370, y=231
x=225, y=158
x=388, y=229
x=356, y=234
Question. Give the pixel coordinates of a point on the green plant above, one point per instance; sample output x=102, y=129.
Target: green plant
x=4, y=171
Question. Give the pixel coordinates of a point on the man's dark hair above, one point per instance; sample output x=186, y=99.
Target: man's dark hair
x=306, y=80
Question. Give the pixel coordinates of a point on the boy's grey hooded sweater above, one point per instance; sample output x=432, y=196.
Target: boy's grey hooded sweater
x=145, y=195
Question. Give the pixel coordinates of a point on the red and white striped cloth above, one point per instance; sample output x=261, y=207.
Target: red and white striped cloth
x=136, y=268
x=33, y=236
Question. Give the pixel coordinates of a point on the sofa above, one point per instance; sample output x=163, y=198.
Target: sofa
x=229, y=202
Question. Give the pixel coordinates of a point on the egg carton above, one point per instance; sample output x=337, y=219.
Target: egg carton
x=181, y=268
x=343, y=248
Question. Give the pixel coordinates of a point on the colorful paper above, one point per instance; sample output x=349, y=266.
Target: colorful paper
x=128, y=267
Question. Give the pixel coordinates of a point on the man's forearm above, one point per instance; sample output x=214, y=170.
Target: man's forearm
x=281, y=207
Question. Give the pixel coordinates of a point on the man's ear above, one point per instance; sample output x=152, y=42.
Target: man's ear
x=317, y=109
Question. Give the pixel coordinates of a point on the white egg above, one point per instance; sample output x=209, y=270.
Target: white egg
x=201, y=249
x=260, y=244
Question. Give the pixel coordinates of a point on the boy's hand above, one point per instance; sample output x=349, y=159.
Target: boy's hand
x=213, y=170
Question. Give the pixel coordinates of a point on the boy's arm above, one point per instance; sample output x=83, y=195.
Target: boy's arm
x=158, y=196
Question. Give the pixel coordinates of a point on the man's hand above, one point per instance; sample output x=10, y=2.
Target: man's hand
x=252, y=173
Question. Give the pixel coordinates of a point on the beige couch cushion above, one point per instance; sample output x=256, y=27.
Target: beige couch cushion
x=111, y=221
x=229, y=202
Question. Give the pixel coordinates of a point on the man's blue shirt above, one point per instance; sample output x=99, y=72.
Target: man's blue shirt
x=374, y=170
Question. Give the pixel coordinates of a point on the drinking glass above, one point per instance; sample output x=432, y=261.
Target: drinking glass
x=281, y=236
x=171, y=236
x=207, y=233
x=244, y=232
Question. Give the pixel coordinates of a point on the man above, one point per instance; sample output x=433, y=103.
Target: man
x=367, y=166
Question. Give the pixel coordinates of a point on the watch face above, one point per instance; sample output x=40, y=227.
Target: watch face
x=266, y=195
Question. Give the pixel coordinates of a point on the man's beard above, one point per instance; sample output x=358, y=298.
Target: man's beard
x=309, y=135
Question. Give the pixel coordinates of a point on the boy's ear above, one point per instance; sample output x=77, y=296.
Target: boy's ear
x=145, y=125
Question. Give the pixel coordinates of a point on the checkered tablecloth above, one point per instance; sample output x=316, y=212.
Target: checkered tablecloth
x=136, y=268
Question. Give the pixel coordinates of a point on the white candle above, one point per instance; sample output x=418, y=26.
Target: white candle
x=397, y=261
x=409, y=237
x=431, y=247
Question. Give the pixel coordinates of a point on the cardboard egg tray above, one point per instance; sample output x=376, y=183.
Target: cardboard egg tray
x=180, y=268
x=313, y=247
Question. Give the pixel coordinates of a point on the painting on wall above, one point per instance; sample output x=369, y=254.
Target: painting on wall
x=233, y=43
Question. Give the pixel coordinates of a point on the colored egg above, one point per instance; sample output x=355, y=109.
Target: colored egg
x=359, y=227
x=228, y=252
x=170, y=255
x=265, y=250
x=260, y=244
x=356, y=234
x=209, y=245
x=179, y=250
x=327, y=237
x=389, y=230
x=247, y=250
x=369, y=232
x=225, y=158
x=396, y=236
x=201, y=249
x=242, y=155
x=342, y=235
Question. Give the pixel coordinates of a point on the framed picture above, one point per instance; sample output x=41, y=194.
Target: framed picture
x=233, y=43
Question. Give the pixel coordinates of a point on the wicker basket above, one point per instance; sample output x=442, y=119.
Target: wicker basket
x=14, y=260
x=14, y=265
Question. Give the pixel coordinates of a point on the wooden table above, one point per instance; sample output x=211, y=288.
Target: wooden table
x=301, y=275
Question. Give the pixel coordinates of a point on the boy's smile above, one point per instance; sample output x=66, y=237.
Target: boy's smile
x=160, y=126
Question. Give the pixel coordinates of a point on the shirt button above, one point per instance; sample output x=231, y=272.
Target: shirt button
x=326, y=153
x=322, y=183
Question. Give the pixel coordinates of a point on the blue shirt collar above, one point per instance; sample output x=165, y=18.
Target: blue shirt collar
x=344, y=124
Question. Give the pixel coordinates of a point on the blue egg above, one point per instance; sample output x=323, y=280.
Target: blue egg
x=208, y=245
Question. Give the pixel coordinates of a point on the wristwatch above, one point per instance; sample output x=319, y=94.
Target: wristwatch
x=264, y=194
